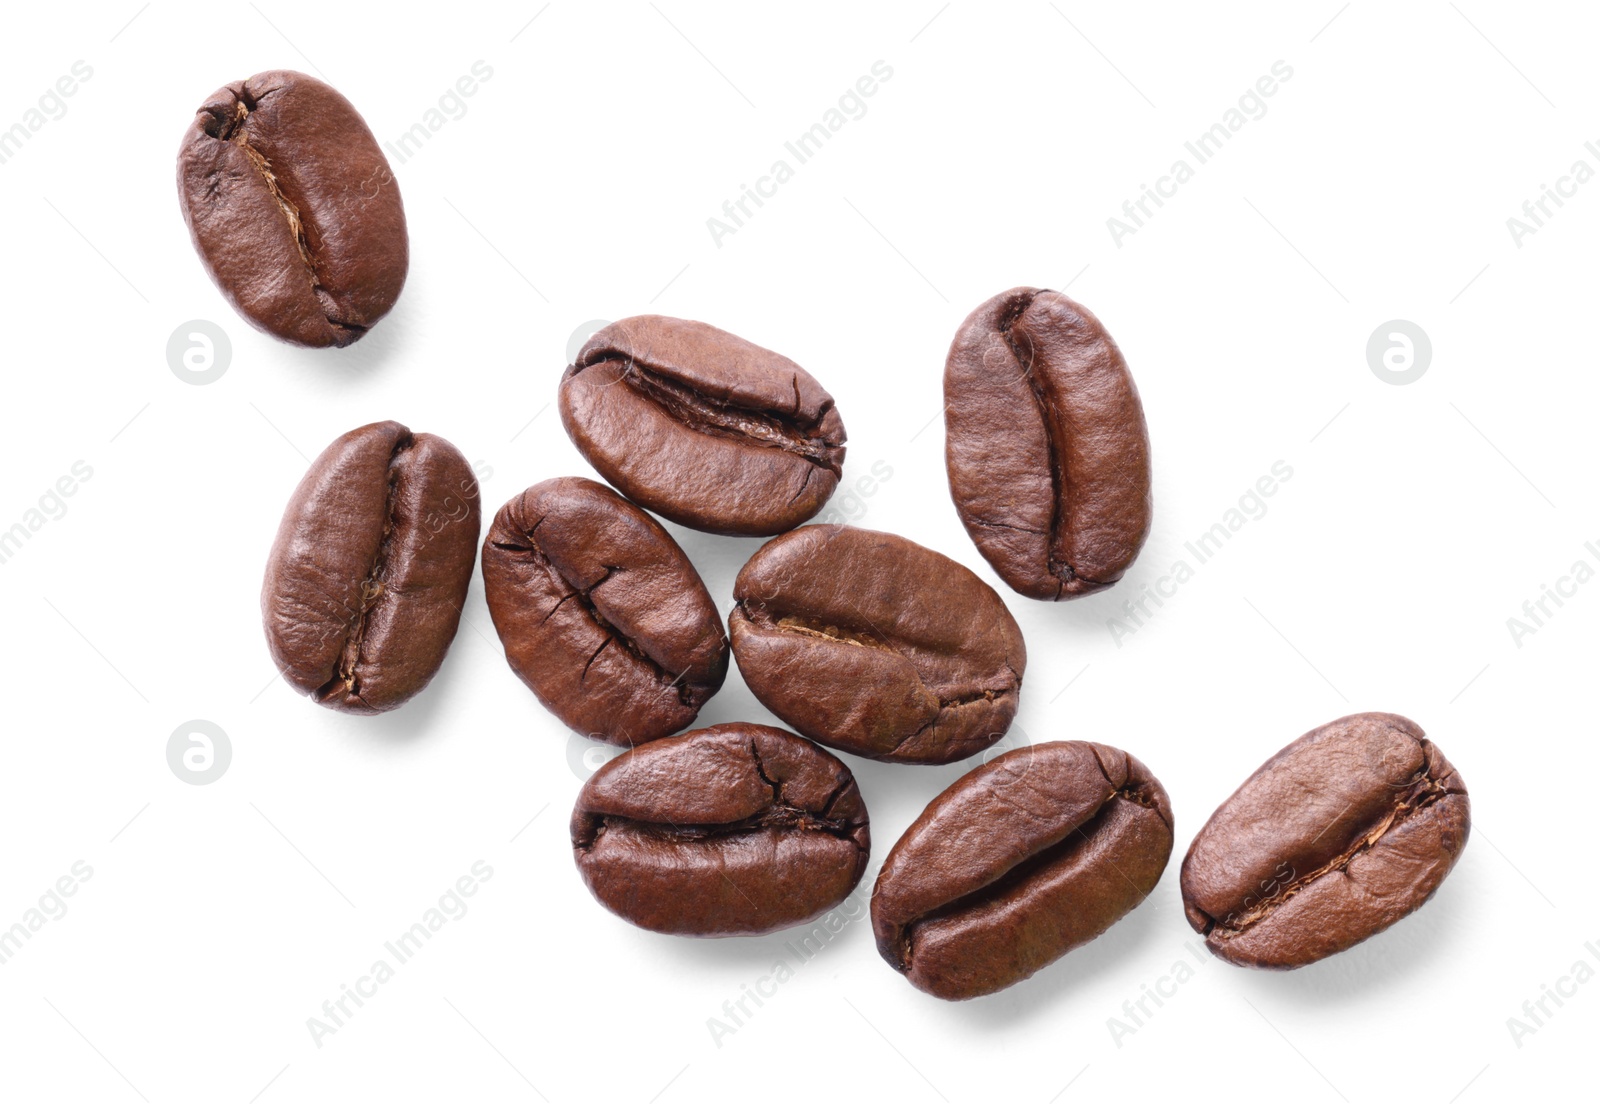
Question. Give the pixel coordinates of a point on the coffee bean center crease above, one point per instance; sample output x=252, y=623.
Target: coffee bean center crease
x=346, y=679
x=1073, y=842
x=583, y=593
x=946, y=695
x=1022, y=351
x=780, y=814
x=707, y=414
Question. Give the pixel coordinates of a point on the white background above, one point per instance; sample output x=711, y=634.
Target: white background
x=577, y=186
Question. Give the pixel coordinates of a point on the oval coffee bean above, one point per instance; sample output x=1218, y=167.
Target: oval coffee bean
x=1018, y=862
x=601, y=613
x=702, y=427
x=873, y=644
x=1045, y=445
x=734, y=829
x=366, y=579
x=293, y=210
x=1347, y=830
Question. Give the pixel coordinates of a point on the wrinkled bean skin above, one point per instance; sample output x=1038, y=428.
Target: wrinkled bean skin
x=1344, y=832
x=703, y=427
x=1019, y=862
x=601, y=613
x=872, y=644
x=734, y=829
x=367, y=576
x=293, y=210
x=1045, y=445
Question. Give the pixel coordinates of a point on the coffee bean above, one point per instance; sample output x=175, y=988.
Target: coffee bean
x=735, y=829
x=601, y=613
x=702, y=427
x=366, y=579
x=293, y=209
x=1347, y=830
x=873, y=644
x=1045, y=445
x=1018, y=862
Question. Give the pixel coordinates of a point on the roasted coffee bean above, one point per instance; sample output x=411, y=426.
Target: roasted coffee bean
x=293, y=209
x=1018, y=862
x=702, y=427
x=873, y=644
x=1346, y=831
x=601, y=613
x=371, y=565
x=1045, y=445
x=735, y=829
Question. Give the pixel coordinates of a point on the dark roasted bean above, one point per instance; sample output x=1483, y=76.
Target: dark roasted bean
x=293, y=209
x=1344, y=832
x=735, y=829
x=1045, y=445
x=366, y=579
x=873, y=644
x=702, y=427
x=601, y=613
x=1018, y=862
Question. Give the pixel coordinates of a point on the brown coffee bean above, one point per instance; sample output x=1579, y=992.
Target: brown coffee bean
x=293, y=210
x=873, y=644
x=1018, y=862
x=1343, y=833
x=366, y=579
x=702, y=427
x=1045, y=445
x=601, y=613
x=735, y=829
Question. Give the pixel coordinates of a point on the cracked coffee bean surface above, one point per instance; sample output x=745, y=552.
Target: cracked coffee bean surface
x=365, y=581
x=1018, y=862
x=872, y=644
x=734, y=829
x=601, y=613
x=293, y=209
x=1045, y=445
x=1344, y=832
x=703, y=427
